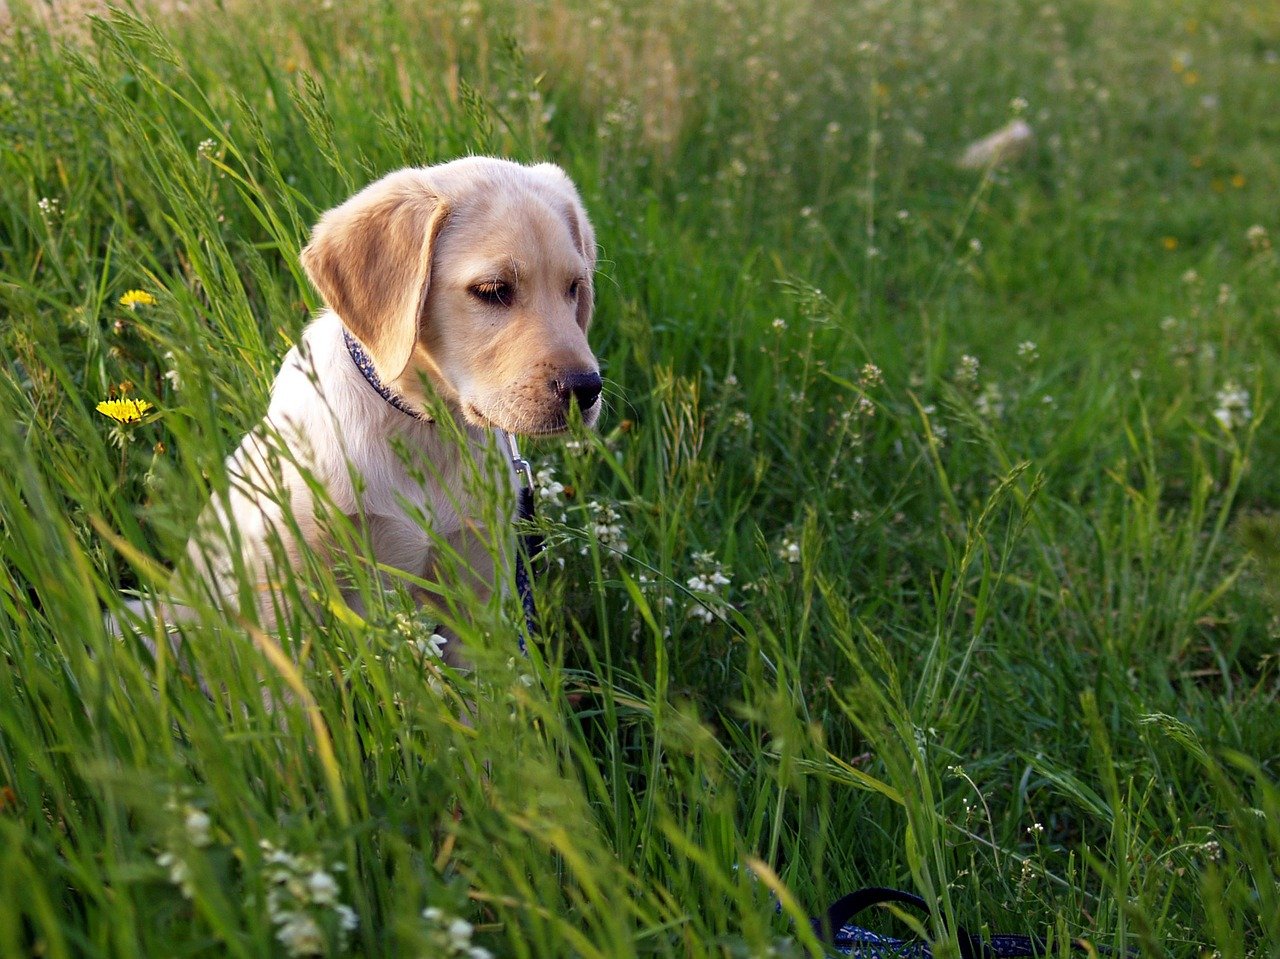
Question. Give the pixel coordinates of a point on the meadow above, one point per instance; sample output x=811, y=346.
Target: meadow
x=930, y=538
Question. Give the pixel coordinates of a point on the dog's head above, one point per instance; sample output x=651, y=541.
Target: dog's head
x=474, y=276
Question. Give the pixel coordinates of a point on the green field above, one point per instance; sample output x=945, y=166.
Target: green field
x=984, y=460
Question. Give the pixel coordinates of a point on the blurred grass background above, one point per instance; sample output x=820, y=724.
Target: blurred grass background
x=984, y=459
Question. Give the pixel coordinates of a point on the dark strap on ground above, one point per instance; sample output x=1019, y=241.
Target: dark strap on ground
x=837, y=929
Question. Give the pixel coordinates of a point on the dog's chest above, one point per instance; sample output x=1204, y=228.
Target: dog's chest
x=410, y=505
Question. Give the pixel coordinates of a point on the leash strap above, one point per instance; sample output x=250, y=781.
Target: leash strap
x=529, y=544
x=837, y=929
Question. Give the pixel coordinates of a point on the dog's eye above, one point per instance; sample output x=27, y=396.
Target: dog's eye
x=574, y=287
x=495, y=293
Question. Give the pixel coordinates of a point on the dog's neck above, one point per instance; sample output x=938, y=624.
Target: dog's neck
x=364, y=363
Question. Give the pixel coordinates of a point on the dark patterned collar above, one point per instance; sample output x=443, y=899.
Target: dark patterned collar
x=364, y=363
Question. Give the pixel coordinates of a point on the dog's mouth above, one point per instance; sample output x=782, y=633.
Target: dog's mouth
x=556, y=425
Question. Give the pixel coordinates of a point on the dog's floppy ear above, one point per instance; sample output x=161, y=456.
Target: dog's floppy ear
x=584, y=237
x=370, y=258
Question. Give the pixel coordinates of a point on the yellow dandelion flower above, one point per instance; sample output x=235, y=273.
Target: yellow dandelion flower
x=1238, y=181
x=1170, y=242
x=136, y=298
x=124, y=411
x=1191, y=78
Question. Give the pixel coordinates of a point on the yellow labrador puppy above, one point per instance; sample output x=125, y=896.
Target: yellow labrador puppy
x=459, y=291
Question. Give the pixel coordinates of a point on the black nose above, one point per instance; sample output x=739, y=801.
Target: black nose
x=583, y=387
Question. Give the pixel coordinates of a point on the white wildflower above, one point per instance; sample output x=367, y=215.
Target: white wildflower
x=707, y=585
x=1257, y=238
x=50, y=208
x=197, y=824
x=967, y=372
x=299, y=933
x=172, y=374
x=550, y=491
x=179, y=872
x=432, y=647
x=322, y=887
x=301, y=890
x=1028, y=352
x=789, y=551
x=990, y=402
x=606, y=526
x=1233, y=406
x=450, y=936
x=779, y=323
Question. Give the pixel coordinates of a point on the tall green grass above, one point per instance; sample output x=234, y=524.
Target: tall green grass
x=1002, y=608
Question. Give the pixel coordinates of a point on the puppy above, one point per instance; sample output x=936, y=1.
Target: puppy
x=458, y=299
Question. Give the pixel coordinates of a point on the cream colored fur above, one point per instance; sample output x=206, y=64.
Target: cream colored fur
x=470, y=286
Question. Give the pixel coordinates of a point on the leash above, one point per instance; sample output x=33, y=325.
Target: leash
x=836, y=928
x=529, y=544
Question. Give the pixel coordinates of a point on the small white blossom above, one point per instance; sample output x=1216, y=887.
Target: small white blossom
x=432, y=647
x=197, y=824
x=789, y=551
x=1028, y=352
x=967, y=372
x=550, y=491
x=706, y=585
x=779, y=323
x=450, y=936
x=179, y=872
x=299, y=933
x=990, y=402
x=50, y=208
x=301, y=889
x=1233, y=406
x=171, y=374
x=1257, y=238
x=606, y=526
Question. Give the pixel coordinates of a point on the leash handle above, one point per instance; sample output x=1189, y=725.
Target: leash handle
x=836, y=928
